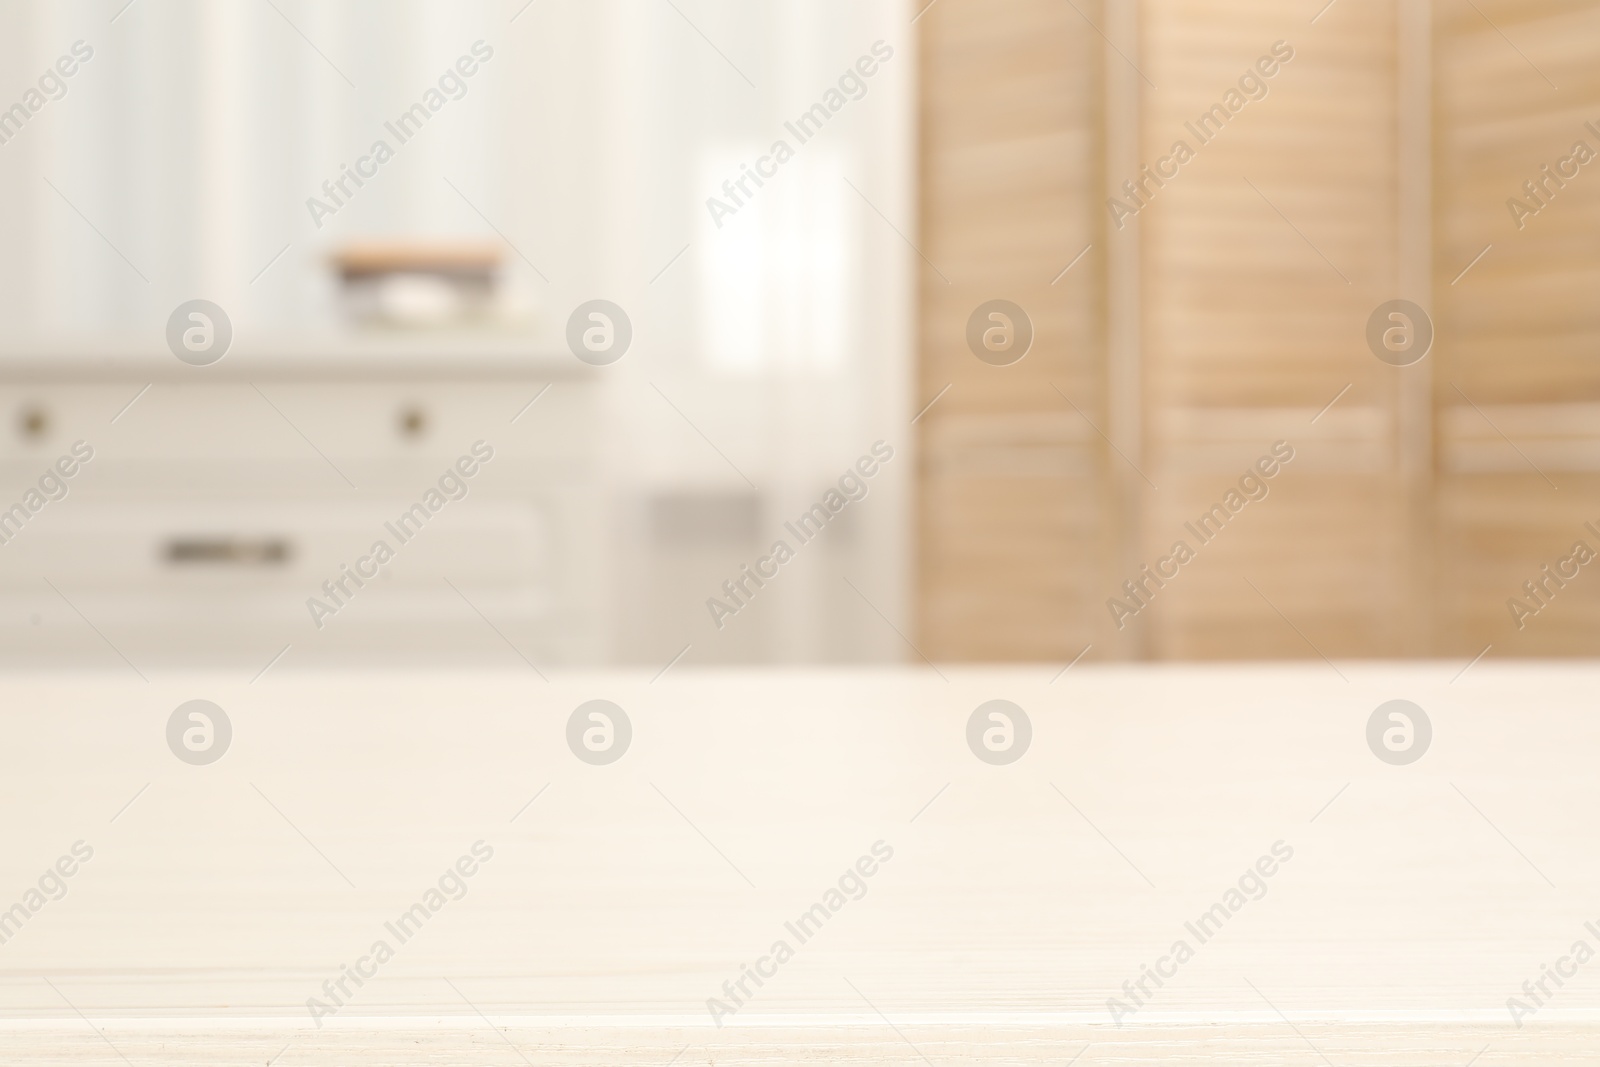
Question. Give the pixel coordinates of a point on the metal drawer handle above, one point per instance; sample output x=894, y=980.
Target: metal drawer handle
x=229, y=551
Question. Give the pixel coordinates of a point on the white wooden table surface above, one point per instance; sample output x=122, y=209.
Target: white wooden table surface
x=1019, y=898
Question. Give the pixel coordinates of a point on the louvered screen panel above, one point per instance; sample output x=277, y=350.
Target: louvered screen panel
x=1262, y=260
x=1013, y=518
x=1517, y=384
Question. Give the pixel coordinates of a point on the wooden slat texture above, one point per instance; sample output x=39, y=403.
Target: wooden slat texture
x=1415, y=505
x=1263, y=258
x=1517, y=384
x=1013, y=512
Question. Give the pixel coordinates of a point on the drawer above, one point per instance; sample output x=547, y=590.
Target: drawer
x=288, y=547
x=182, y=583
x=354, y=422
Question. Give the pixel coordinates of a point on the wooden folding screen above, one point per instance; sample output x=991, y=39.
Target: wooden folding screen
x=1335, y=158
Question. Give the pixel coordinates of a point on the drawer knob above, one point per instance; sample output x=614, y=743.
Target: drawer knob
x=413, y=422
x=33, y=422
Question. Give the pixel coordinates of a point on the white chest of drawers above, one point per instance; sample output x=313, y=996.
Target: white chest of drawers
x=222, y=503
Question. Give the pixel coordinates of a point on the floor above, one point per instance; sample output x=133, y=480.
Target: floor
x=1333, y=906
